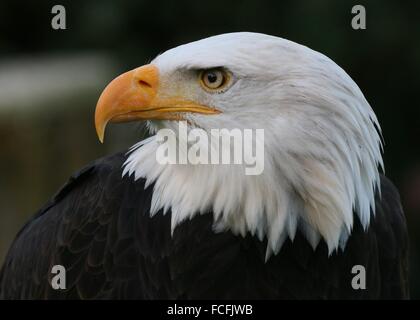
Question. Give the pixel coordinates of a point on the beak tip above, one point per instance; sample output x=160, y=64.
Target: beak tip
x=100, y=125
x=101, y=137
x=100, y=132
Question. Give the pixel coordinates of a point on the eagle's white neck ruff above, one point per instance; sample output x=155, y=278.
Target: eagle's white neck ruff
x=322, y=146
x=311, y=186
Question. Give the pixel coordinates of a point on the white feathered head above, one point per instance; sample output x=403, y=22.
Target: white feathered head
x=322, y=144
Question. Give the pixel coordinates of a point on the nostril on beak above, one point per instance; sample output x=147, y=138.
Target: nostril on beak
x=143, y=83
x=145, y=77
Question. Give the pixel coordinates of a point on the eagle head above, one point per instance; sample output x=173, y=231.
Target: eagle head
x=322, y=144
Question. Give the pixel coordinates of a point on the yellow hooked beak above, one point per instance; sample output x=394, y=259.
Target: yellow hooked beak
x=134, y=96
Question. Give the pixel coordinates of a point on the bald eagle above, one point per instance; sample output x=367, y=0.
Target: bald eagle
x=129, y=227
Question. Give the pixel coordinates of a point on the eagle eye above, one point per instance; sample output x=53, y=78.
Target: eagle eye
x=214, y=80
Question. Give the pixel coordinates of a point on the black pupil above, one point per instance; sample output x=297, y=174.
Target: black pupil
x=212, y=77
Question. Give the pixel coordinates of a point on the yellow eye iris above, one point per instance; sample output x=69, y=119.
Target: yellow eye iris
x=213, y=79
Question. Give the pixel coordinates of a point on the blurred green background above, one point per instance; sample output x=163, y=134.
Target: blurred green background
x=50, y=81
